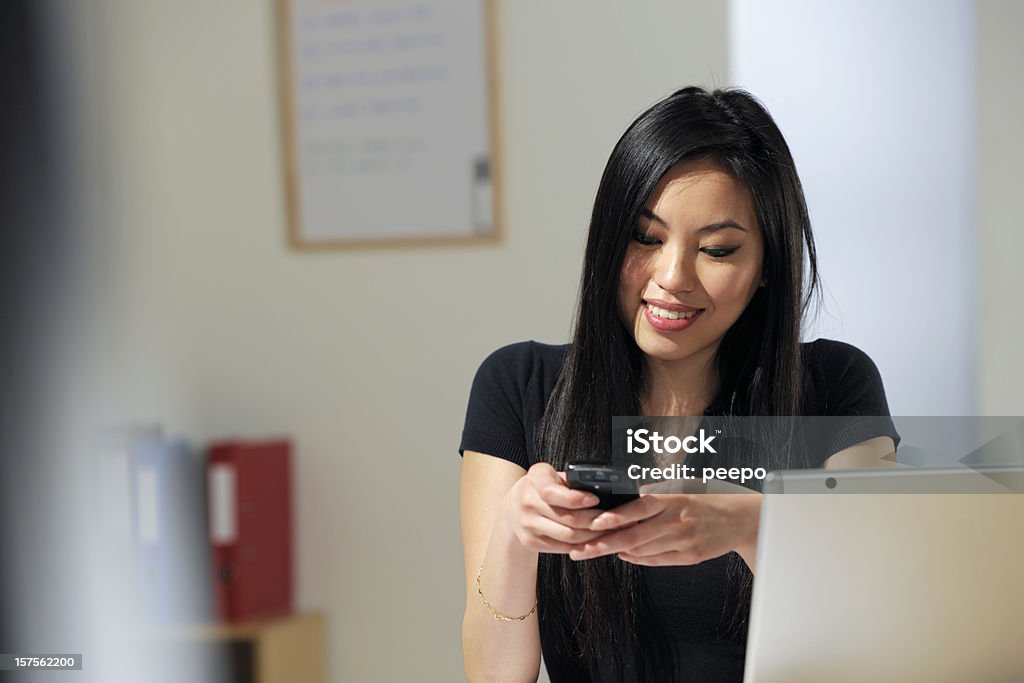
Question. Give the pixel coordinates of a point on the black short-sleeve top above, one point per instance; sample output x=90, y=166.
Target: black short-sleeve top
x=699, y=603
x=512, y=387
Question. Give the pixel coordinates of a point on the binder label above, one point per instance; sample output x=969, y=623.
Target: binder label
x=223, y=517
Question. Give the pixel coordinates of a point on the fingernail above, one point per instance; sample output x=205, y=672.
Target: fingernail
x=591, y=500
x=598, y=523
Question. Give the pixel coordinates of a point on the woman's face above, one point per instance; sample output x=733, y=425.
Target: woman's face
x=693, y=264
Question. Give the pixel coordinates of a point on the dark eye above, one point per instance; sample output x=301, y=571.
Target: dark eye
x=643, y=238
x=718, y=252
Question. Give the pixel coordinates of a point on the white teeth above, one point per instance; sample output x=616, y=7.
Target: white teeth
x=671, y=315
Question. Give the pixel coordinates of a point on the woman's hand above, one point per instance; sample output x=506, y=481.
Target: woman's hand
x=546, y=515
x=676, y=529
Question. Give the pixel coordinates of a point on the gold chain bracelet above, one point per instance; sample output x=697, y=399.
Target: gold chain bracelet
x=498, y=615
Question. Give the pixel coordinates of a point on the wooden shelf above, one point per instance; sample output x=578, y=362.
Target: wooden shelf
x=288, y=649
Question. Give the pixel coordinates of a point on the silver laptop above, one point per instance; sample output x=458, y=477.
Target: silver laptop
x=889, y=586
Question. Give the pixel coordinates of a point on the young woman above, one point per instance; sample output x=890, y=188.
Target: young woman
x=692, y=296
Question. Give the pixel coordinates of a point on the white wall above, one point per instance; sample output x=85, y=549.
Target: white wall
x=212, y=324
x=877, y=102
x=1000, y=241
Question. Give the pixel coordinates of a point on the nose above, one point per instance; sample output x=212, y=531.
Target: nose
x=675, y=271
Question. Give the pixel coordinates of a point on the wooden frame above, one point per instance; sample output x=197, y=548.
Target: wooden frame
x=486, y=176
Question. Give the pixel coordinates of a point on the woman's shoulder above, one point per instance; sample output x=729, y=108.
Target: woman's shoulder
x=832, y=354
x=840, y=378
x=520, y=366
x=528, y=354
x=508, y=397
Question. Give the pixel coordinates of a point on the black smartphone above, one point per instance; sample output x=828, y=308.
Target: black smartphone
x=609, y=484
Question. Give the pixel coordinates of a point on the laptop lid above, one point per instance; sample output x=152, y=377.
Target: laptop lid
x=893, y=587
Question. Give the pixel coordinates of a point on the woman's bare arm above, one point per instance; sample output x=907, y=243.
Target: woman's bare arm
x=495, y=650
x=877, y=452
x=508, y=518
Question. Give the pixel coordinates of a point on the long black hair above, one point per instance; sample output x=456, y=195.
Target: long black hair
x=758, y=361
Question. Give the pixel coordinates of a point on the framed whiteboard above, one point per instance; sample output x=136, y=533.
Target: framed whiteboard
x=389, y=114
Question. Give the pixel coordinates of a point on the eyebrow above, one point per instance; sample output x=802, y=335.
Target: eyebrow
x=712, y=227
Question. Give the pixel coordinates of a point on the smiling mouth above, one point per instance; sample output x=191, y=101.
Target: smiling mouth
x=666, y=314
